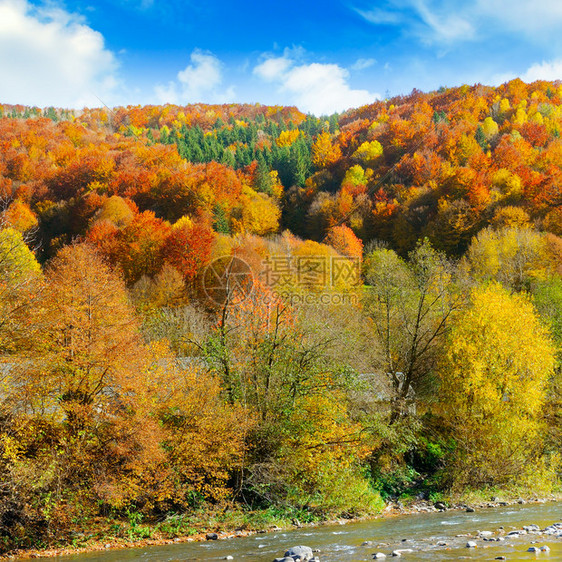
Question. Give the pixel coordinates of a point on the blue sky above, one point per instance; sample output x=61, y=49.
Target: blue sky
x=320, y=56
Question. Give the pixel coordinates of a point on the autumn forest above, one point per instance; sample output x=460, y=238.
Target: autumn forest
x=242, y=315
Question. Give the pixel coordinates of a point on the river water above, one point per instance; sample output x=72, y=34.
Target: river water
x=421, y=533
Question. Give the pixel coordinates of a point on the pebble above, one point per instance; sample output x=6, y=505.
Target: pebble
x=379, y=555
x=401, y=551
x=471, y=544
x=531, y=528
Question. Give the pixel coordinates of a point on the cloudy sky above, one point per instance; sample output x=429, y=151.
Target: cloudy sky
x=320, y=56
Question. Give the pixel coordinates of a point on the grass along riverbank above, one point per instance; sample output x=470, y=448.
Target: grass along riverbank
x=225, y=524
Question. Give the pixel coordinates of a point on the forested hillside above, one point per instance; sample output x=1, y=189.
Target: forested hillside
x=222, y=311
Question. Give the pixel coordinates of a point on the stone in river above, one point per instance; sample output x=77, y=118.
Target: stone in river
x=471, y=544
x=303, y=552
x=211, y=536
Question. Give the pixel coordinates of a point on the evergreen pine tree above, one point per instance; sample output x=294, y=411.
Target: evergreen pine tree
x=220, y=222
x=263, y=181
x=481, y=138
x=227, y=158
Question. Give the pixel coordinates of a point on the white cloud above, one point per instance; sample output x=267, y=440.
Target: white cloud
x=51, y=57
x=379, y=16
x=362, y=64
x=450, y=21
x=316, y=88
x=544, y=71
x=445, y=25
x=273, y=68
x=531, y=18
x=433, y=21
x=200, y=81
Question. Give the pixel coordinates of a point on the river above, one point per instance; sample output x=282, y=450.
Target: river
x=420, y=532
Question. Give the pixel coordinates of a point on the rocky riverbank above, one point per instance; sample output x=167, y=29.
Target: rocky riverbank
x=421, y=506
x=223, y=533
x=527, y=538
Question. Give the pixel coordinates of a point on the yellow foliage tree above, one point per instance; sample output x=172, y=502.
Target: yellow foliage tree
x=116, y=210
x=512, y=256
x=504, y=106
x=493, y=380
x=83, y=400
x=91, y=350
x=183, y=222
x=19, y=216
x=466, y=147
x=287, y=138
x=490, y=128
x=356, y=175
x=520, y=116
x=19, y=277
x=506, y=184
x=324, y=152
x=368, y=152
x=321, y=454
x=553, y=221
x=537, y=118
x=511, y=217
x=257, y=214
x=205, y=438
